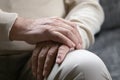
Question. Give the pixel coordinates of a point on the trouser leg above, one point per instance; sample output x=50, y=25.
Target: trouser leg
x=11, y=63
x=26, y=71
x=78, y=65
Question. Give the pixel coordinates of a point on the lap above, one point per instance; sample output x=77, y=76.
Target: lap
x=75, y=65
x=11, y=63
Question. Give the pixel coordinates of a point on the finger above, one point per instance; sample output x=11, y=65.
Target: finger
x=75, y=26
x=34, y=61
x=72, y=26
x=58, y=37
x=41, y=60
x=50, y=60
x=69, y=34
x=66, y=22
x=62, y=52
x=79, y=46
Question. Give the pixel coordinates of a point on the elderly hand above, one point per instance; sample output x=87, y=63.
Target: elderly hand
x=44, y=29
x=44, y=57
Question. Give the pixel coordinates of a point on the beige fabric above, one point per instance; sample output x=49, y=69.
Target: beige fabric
x=87, y=13
x=78, y=65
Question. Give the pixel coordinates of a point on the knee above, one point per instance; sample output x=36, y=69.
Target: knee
x=82, y=63
x=83, y=60
x=82, y=57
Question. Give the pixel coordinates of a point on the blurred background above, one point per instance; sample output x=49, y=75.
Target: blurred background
x=107, y=45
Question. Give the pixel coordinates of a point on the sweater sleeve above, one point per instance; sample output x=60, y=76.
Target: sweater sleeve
x=6, y=22
x=88, y=15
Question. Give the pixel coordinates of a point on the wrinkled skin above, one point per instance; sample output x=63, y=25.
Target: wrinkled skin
x=54, y=38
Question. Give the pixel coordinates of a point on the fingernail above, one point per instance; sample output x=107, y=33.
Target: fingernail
x=58, y=59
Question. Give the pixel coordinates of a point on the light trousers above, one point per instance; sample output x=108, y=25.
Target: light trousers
x=78, y=65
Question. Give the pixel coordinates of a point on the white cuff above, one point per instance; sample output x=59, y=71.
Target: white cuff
x=86, y=36
x=7, y=20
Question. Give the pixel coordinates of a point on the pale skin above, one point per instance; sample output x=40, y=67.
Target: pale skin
x=54, y=38
x=44, y=57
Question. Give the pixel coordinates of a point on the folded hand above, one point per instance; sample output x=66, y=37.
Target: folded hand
x=44, y=57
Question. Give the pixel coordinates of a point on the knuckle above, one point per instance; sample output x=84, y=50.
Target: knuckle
x=55, y=20
x=72, y=30
x=41, y=57
x=67, y=32
x=50, y=54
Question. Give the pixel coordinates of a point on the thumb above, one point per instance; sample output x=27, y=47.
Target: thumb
x=62, y=52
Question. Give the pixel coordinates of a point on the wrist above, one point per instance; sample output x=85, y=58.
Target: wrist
x=18, y=28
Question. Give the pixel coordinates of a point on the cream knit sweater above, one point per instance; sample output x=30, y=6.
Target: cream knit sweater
x=87, y=13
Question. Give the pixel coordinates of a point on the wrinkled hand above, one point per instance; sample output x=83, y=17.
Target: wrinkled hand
x=44, y=57
x=36, y=30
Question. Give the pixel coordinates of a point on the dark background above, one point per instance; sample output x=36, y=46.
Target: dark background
x=107, y=45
